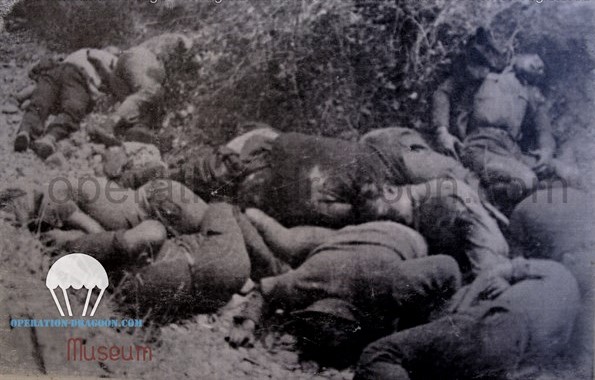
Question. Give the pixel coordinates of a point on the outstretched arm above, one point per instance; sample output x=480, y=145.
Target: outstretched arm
x=441, y=105
x=546, y=144
x=291, y=244
x=83, y=222
x=441, y=119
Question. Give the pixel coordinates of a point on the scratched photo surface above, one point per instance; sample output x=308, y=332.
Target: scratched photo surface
x=268, y=189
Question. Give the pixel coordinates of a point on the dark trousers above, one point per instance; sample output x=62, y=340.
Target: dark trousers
x=61, y=90
x=498, y=161
x=458, y=346
x=191, y=272
x=380, y=285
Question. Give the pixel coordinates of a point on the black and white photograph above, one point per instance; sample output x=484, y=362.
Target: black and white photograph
x=297, y=189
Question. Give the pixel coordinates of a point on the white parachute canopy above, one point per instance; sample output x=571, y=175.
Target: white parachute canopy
x=77, y=270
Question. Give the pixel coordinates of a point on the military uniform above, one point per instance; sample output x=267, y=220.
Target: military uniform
x=137, y=82
x=67, y=89
x=189, y=273
x=209, y=252
x=115, y=207
x=557, y=224
x=319, y=180
x=451, y=217
x=481, y=336
x=452, y=101
x=380, y=269
x=502, y=109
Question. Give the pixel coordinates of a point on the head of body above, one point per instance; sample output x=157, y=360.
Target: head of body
x=104, y=61
x=529, y=68
x=174, y=205
x=482, y=55
x=386, y=202
x=174, y=49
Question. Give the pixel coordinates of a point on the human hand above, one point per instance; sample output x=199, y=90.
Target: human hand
x=494, y=286
x=543, y=158
x=449, y=144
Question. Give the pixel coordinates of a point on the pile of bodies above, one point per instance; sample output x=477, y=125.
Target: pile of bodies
x=440, y=254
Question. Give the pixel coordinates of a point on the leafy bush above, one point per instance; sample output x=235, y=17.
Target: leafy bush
x=68, y=25
x=340, y=68
x=331, y=67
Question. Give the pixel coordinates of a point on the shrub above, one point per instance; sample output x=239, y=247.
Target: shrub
x=331, y=67
x=67, y=25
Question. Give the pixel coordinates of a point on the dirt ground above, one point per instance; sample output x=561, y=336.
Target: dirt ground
x=192, y=349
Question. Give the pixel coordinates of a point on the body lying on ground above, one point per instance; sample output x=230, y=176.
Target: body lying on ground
x=503, y=123
x=517, y=315
x=313, y=180
x=184, y=251
x=451, y=217
x=557, y=224
x=446, y=212
x=506, y=108
x=137, y=82
x=67, y=89
x=366, y=275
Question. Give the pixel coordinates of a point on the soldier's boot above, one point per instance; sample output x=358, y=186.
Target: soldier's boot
x=22, y=141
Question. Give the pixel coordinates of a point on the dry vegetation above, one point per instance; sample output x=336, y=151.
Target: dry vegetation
x=329, y=67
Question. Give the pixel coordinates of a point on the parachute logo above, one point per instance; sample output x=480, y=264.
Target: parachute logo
x=77, y=270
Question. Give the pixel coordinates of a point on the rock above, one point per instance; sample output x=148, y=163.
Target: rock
x=10, y=109
x=288, y=358
x=276, y=371
x=288, y=340
x=245, y=366
x=25, y=104
x=56, y=160
x=67, y=148
x=141, y=154
x=115, y=160
x=84, y=152
x=78, y=139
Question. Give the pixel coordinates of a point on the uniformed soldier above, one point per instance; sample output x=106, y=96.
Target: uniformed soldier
x=67, y=89
x=507, y=108
x=137, y=81
x=516, y=315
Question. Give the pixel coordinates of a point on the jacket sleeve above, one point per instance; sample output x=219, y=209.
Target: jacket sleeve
x=441, y=105
x=541, y=121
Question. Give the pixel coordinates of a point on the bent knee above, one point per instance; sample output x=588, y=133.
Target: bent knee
x=446, y=271
x=381, y=360
x=153, y=231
